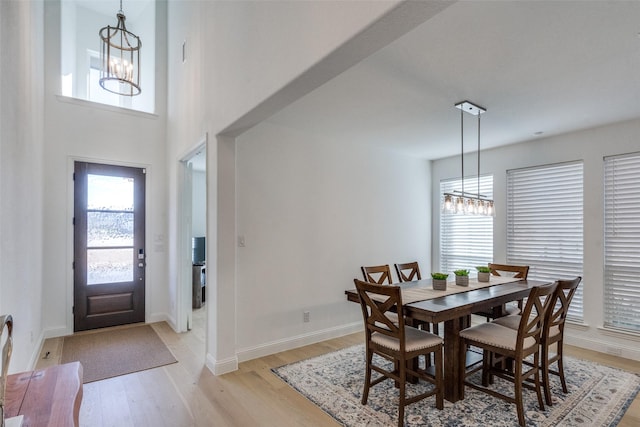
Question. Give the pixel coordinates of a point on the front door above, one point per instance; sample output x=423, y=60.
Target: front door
x=109, y=247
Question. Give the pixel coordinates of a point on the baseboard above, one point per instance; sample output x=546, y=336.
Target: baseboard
x=614, y=349
x=163, y=317
x=297, y=341
x=220, y=367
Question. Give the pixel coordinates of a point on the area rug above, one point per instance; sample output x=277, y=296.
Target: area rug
x=116, y=352
x=598, y=396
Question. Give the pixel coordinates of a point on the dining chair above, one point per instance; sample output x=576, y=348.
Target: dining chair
x=408, y=272
x=500, y=344
x=552, y=333
x=379, y=274
x=6, y=323
x=515, y=271
x=397, y=343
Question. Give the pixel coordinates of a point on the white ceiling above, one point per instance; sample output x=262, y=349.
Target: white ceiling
x=536, y=66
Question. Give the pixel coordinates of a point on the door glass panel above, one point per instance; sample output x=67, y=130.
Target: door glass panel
x=109, y=193
x=109, y=229
x=109, y=266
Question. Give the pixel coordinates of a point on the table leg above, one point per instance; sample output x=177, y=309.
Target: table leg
x=453, y=369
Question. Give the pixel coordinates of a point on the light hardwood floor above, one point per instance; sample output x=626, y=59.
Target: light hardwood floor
x=188, y=394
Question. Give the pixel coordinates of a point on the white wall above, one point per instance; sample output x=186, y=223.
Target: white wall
x=312, y=213
x=591, y=146
x=80, y=130
x=199, y=202
x=21, y=174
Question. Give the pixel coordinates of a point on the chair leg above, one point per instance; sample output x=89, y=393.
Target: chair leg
x=561, y=366
x=536, y=378
x=367, y=377
x=403, y=384
x=486, y=366
x=546, y=385
x=438, y=360
x=518, y=393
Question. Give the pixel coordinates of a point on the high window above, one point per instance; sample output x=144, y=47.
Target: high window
x=466, y=240
x=545, y=223
x=80, y=22
x=622, y=242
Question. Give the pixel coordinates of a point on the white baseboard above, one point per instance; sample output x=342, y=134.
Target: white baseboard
x=163, y=317
x=297, y=341
x=614, y=348
x=220, y=367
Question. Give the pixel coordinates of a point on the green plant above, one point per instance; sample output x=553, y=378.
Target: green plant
x=461, y=272
x=439, y=276
x=483, y=269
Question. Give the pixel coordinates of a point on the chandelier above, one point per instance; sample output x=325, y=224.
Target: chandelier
x=462, y=202
x=120, y=58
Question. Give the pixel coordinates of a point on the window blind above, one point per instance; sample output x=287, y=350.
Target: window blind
x=622, y=242
x=466, y=241
x=545, y=224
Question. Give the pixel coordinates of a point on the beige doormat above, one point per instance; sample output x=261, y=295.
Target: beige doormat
x=116, y=352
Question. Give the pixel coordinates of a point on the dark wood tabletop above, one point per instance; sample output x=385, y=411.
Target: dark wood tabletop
x=453, y=311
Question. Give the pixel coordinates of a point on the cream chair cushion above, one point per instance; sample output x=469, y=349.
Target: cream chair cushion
x=415, y=339
x=496, y=335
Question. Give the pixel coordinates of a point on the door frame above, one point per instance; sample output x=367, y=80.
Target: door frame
x=184, y=295
x=70, y=229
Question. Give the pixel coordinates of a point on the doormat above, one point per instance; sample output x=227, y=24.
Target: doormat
x=116, y=352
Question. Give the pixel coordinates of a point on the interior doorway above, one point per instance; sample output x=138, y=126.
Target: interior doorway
x=193, y=231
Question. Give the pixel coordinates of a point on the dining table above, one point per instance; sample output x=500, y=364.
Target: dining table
x=453, y=307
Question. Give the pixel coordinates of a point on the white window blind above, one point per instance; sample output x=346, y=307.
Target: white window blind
x=545, y=223
x=622, y=242
x=466, y=241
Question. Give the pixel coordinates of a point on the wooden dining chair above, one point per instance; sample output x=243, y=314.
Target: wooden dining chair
x=503, y=346
x=515, y=271
x=398, y=343
x=379, y=274
x=552, y=333
x=408, y=272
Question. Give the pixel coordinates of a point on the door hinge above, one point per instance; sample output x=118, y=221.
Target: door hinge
x=73, y=310
x=73, y=265
x=73, y=221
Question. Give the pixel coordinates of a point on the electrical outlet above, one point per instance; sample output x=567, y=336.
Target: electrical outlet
x=305, y=316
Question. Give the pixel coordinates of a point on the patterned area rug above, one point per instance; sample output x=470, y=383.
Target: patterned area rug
x=598, y=396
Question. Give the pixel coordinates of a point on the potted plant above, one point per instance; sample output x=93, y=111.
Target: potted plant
x=484, y=273
x=462, y=277
x=439, y=281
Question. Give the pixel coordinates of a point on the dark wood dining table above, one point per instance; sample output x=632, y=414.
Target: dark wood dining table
x=454, y=310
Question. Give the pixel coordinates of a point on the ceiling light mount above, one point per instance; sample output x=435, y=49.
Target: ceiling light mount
x=120, y=58
x=461, y=202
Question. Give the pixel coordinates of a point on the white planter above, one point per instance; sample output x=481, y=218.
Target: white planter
x=483, y=277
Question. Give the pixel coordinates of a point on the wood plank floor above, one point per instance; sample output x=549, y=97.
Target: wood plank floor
x=188, y=394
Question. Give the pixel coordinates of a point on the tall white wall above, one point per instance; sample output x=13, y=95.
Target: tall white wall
x=589, y=145
x=312, y=212
x=80, y=130
x=21, y=174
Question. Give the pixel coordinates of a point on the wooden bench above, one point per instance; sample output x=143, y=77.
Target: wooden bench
x=48, y=397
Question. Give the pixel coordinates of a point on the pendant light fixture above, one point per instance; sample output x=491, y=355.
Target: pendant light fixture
x=120, y=58
x=462, y=202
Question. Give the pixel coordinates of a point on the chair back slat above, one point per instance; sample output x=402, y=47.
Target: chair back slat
x=408, y=272
x=557, y=315
x=539, y=301
x=379, y=274
x=519, y=271
x=377, y=302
